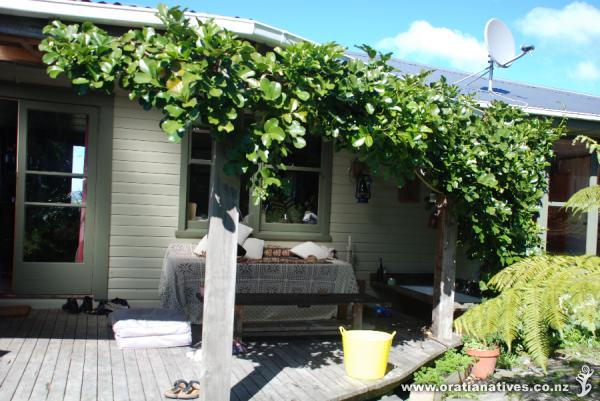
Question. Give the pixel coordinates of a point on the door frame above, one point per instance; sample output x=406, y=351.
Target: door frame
x=104, y=106
x=76, y=276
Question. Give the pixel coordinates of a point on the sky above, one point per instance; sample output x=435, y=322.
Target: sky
x=447, y=34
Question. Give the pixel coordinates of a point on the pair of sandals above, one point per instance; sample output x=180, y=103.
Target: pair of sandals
x=184, y=390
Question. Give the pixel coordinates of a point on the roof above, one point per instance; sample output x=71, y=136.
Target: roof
x=531, y=98
x=132, y=16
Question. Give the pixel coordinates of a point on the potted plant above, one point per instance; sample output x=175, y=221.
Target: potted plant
x=485, y=354
x=449, y=369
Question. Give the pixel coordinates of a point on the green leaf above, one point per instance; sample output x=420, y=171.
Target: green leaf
x=489, y=180
x=174, y=111
x=299, y=142
x=81, y=81
x=270, y=90
x=369, y=108
x=171, y=126
x=142, y=78
x=359, y=142
x=295, y=129
x=303, y=95
x=215, y=92
x=54, y=71
x=369, y=141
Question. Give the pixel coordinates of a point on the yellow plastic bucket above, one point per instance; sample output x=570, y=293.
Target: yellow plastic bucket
x=366, y=352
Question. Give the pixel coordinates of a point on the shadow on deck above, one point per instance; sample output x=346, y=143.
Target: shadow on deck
x=51, y=355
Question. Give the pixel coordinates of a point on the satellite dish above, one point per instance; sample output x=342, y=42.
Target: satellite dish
x=499, y=42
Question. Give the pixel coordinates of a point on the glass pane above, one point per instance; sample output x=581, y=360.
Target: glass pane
x=570, y=170
x=201, y=146
x=244, y=197
x=566, y=232
x=53, y=189
x=56, y=141
x=309, y=156
x=199, y=191
x=297, y=201
x=53, y=234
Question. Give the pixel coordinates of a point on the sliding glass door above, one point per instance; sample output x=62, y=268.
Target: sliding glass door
x=55, y=209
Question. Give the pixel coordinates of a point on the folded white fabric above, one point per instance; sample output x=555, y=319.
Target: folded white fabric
x=143, y=328
x=137, y=323
x=172, y=340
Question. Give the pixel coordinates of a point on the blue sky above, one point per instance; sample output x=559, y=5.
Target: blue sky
x=448, y=34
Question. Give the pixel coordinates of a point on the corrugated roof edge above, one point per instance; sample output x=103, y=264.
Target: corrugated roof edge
x=130, y=16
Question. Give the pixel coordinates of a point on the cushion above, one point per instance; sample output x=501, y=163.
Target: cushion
x=306, y=249
x=200, y=249
x=243, y=233
x=254, y=248
x=270, y=251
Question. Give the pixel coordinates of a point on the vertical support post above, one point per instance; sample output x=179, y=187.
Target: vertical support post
x=219, y=293
x=444, y=277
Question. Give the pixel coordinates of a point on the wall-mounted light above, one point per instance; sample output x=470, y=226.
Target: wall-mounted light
x=360, y=172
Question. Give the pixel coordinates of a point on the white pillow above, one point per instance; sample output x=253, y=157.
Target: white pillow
x=305, y=249
x=254, y=248
x=200, y=249
x=243, y=233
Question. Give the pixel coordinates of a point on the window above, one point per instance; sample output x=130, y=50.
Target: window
x=298, y=210
x=572, y=169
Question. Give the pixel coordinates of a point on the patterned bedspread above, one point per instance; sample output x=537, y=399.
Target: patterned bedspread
x=183, y=273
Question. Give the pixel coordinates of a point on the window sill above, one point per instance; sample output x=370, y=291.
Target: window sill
x=190, y=233
x=292, y=236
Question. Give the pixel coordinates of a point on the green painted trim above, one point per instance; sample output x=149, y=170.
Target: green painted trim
x=187, y=228
x=65, y=100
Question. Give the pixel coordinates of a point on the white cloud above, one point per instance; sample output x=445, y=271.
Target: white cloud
x=586, y=70
x=425, y=43
x=578, y=22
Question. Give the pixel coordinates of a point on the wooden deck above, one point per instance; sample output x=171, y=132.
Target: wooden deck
x=52, y=355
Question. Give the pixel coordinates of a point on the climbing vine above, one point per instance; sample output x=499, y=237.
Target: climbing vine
x=266, y=102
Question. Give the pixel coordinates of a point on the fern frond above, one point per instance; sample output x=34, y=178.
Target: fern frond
x=508, y=320
x=591, y=145
x=538, y=269
x=534, y=328
x=584, y=200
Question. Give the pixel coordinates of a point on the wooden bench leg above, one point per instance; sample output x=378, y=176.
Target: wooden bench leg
x=238, y=322
x=357, y=316
x=342, y=312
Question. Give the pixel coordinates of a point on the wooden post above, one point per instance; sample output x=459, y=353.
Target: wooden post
x=444, y=276
x=219, y=281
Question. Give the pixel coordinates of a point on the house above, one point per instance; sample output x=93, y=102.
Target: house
x=95, y=191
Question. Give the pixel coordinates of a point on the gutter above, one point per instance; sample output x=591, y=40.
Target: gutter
x=128, y=16
x=572, y=115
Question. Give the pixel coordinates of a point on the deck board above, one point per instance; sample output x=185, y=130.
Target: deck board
x=52, y=355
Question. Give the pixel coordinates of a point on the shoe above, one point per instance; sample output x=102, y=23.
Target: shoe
x=71, y=306
x=191, y=391
x=178, y=387
x=87, y=305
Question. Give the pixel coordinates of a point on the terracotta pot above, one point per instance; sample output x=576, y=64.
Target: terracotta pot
x=485, y=362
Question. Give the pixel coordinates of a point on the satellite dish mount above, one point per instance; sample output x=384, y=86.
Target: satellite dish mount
x=501, y=48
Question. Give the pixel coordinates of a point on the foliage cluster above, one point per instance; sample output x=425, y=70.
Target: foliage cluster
x=451, y=362
x=537, y=297
x=265, y=103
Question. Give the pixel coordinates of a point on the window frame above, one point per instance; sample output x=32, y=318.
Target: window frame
x=262, y=229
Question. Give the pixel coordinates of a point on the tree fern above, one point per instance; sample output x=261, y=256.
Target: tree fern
x=537, y=296
x=584, y=200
